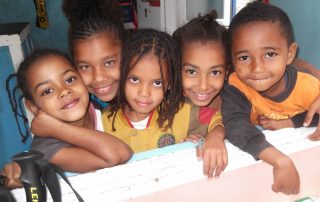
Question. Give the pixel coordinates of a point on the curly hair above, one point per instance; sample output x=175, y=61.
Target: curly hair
x=164, y=47
x=90, y=17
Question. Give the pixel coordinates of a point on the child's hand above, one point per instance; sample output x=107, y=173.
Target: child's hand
x=193, y=138
x=314, y=108
x=12, y=171
x=44, y=125
x=286, y=178
x=213, y=152
x=270, y=124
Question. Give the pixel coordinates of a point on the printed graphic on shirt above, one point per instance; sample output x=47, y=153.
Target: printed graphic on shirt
x=165, y=140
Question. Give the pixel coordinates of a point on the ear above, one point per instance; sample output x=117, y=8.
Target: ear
x=31, y=107
x=292, y=52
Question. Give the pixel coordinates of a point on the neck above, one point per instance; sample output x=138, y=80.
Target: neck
x=87, y=121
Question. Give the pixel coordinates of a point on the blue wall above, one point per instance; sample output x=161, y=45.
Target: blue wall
x=10, y=141
x=305, y=18
x=304, y=15
x=55, y=36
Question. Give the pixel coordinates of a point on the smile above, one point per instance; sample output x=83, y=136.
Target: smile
x=102, y=90
x=143, y=104
x=202, y=96
x=71, y=104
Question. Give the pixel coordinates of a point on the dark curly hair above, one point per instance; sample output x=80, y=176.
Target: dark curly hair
x=89, y=17
x=165, y=48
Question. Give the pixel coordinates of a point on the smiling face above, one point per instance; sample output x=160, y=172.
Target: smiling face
x=260, y=53
x=97, y=60
x=57, y=89
x=203, y=71
x=144, y=87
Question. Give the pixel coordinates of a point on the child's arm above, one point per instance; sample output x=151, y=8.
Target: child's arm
x=272, y=124
x=12, y=171
x=92, y=149
x=213, y=152
x=285, y=175
x=314, y=108
x=240, y=132
x=304, y=66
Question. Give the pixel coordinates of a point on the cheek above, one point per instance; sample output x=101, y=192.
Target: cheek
x=188, y=82
x=86, y=78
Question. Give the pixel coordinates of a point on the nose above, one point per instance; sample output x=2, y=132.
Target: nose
x=144, y=90
x=65, y=92
x=99, y=74
x=257, y=65
x=203, y=82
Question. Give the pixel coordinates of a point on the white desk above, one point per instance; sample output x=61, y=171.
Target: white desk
x=177, y=175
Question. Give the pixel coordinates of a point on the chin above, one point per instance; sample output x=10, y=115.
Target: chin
x=200, y=103
x=106, y=98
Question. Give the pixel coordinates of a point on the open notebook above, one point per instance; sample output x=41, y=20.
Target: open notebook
x=160, y=169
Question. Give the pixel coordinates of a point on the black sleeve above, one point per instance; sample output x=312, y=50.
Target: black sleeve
x=236, y=110
x=298, y=120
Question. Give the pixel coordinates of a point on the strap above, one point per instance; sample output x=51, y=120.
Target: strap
x=63, y=176
x=48, y=174
x=49, y=177
x=5, y=194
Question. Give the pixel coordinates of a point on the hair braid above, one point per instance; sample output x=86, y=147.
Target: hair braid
x=16, y=107
x=164, y=47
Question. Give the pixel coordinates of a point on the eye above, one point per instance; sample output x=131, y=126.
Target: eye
x=157, y=83
x=244, y=58
x=271, y=54
x=109, y=63
x=70, y=79
x=133, y=79
x=191, y=72
x=46, y=91
x=83, y=67
x=216, y=73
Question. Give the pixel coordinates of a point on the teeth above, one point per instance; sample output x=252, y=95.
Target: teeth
x=201, y=95
x=103, y=90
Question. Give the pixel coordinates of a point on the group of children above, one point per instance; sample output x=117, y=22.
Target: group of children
x=164, y=89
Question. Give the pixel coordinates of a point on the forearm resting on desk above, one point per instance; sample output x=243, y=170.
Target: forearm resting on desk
x=214, y=152
x=285, y=174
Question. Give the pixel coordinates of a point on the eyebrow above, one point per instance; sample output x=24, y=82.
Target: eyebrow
x=264, y=48
x=211, y=67
x=47, y=81
x=104, y=58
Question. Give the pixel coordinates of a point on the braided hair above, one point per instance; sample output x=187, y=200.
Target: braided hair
x=163, y=46
x=21, y=90
x=202, y=29
x=90, y=17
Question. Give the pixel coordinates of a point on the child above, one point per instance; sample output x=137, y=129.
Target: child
x=203, y=48
x=149, y=112
x=262, y=47
x=65, y=123
x=96, y=34
x=149, y=93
